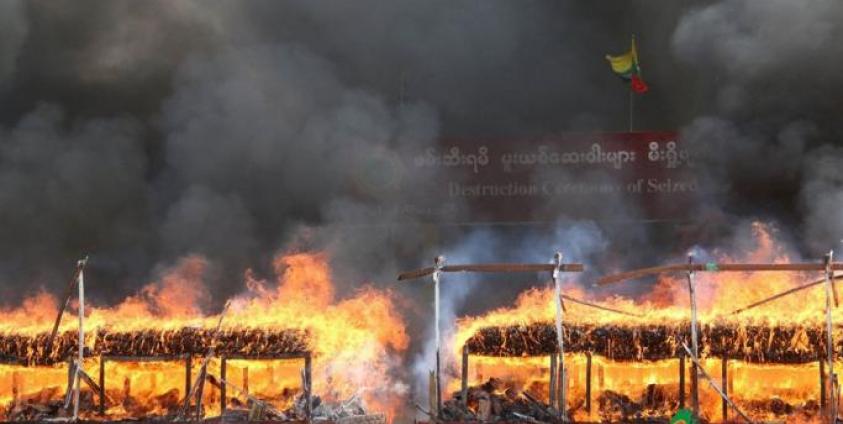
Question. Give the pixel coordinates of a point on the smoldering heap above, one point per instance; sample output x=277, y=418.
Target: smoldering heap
x=751, y=343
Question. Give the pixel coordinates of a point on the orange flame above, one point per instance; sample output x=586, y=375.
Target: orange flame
x=668, y=302
x=354, y=342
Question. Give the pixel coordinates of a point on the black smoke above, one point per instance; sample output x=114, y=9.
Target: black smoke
x=141, y=132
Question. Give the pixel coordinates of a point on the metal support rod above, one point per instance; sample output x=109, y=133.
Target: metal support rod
x=553, y=375
x=832, y=404
x=80, y=359
x=724, y=384
x=681, y=379
x=464, y=376
x=437, y=271
x=588, y=382
x=102, y=385
x=223, y=399
x=560, y=335
x=695, y=352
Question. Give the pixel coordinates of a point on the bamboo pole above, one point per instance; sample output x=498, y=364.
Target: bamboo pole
x=464, y=377
x=102, y=385
x=714, y=385
x=492, y=268
x=596, y=306
x=829, y=274
x=588, y=383
x=199, y=384
x=560, y=335
x=717, y=267
x=682, y=379
x=80, y=265
x=188, y=370
x=695, y=395
x=223, y=394
x=784, y=293
x=822, y=384
x=81, y=347
x=724, y=384
x=554, y=374
x=307, y=385
x=438, y=263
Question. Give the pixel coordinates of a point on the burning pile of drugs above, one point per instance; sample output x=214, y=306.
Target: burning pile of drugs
x=750, y=343
x=159, y=355
x=650, y=355
x=31, y=350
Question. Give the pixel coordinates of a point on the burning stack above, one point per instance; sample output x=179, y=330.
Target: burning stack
x=159, y=355
x=32, y=350
x=644, y=359
x=791, y=344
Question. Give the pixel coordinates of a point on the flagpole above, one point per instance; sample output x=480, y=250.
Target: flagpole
x=631, y=108
x=631, y=91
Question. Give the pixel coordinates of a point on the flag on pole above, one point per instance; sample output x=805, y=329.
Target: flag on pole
x=626, y=66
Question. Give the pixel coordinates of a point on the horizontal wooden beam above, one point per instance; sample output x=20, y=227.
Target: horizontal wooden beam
x=492, y=268
x=267, y=356
x=157, y=358
x=717, y=267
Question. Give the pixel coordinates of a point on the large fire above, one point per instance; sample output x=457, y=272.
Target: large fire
x=766, y=390
x=354, y=342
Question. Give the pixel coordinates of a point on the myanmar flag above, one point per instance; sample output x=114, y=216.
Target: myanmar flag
x=626, y=66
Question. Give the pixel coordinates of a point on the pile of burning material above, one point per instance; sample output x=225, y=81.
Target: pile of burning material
x=751, y=343
x=349, y=411
x=32, y=350
x=497, y=401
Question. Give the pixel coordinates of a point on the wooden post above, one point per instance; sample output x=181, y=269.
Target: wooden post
x=553, y=376
x=15, y=388
x=822, y=384
x=695, y=395
x=102, y=385
x=464, y=383
x=681, y=379
x=127, y=390
x=246, y=380
x=308, y=387
x=724, y=384
x=200, y=390
x=588, y=382
x=188, y=365
x=223, y=399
